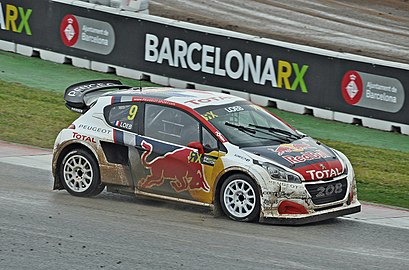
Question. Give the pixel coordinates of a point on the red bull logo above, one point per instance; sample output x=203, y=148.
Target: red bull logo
x=168, y=167
x=307, y=156
x=290, y=148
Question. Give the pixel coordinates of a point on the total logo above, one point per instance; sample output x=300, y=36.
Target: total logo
x=324, y=174
x=82, y=137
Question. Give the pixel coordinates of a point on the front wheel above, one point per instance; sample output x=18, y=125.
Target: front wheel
x=79, y=174
x=239, y=197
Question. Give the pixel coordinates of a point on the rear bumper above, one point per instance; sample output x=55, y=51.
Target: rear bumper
x=305, y=219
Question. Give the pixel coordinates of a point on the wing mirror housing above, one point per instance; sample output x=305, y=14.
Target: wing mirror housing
x=196, y=145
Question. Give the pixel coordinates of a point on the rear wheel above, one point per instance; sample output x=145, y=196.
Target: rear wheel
x=239, y=197
x=79, y=173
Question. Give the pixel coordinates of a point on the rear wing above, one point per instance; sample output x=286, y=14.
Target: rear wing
x=80, y=96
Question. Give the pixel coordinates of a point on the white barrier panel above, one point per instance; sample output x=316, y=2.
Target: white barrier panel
x=181, y=84
x=321, y=113
x=79, y=62
x=24, y=50
x=53, y=57
x=346, y=118
x=162, y=80
x=128, y=73
x=7, y=46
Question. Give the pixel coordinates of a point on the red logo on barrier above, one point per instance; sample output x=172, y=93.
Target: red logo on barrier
x=168, y=167
x=69, y=30
x=352, y=87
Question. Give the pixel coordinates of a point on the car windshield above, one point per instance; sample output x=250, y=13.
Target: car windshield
x=245, y=124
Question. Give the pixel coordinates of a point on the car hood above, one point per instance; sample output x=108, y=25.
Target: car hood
x=312, y=159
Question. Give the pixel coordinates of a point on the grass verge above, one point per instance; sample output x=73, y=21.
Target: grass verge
x=34, y=117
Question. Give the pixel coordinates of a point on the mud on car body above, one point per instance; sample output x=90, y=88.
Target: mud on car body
x=202, y=148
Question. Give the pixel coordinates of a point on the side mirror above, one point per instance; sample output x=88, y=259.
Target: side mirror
x=196, y=145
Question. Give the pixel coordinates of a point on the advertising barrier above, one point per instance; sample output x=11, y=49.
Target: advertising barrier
x=201, y=55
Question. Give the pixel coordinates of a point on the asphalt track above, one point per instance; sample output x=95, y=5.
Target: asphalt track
x=44, y=229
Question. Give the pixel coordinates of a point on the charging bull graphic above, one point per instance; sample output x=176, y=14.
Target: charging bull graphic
x=292, y=147
x=168, y=167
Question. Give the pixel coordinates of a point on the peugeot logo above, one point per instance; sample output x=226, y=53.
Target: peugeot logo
x=322, y=166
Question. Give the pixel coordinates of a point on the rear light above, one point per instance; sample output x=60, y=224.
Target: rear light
x=72, y=126
x=288, y=207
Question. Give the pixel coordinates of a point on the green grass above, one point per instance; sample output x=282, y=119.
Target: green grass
x=34, y=117
x=40, y=74
x=342, y=132
x=381, y=174
x=31, y=116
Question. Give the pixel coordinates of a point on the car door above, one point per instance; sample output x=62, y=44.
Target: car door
x=125, y=119
x=173, y=167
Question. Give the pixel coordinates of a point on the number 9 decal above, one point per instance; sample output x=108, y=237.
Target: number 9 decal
x=132, y=112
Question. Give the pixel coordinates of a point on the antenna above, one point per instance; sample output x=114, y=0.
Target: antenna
x=140, y=82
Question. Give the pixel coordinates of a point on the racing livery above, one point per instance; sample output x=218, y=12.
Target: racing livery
x=199, y=147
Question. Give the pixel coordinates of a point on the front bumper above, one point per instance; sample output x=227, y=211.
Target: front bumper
x=315, y=217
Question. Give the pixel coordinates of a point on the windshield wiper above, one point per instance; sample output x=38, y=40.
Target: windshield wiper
x=241, y=128
x=277, y=130
x=252, y=132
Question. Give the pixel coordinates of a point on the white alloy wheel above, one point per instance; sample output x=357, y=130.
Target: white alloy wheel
x=78, y=173
x=239, y=198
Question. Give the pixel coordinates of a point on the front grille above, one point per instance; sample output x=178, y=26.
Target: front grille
x=328, y=192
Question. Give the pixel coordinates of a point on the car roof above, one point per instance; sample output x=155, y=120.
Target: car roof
x=188, y=97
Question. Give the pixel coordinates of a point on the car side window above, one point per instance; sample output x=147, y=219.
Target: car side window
x=209, y=142
x=123, y=116
x=170, y=125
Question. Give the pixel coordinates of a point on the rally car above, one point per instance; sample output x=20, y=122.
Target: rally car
x=199, y=147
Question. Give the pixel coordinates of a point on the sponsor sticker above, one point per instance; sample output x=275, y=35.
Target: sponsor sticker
x=201, y=159
x=86, y=138
x=373, y=91
x=290, y=148
x=87, y=34
x=324, y=174
x=123, y=125
x=182, y=177
x=307, y=156
x=95, y=129
x=209, y=115
x=233, y=64
x=15, y=19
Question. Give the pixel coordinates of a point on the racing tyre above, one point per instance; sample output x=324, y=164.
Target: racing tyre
x=79, y=174
x=240, y=198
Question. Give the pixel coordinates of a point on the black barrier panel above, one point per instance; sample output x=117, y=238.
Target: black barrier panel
x=25, y=22
x=320, y=81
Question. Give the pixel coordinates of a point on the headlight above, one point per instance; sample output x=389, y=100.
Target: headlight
x=345, y=161
x=279, y=174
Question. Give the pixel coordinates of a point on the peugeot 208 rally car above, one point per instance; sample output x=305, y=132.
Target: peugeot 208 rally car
x=199, y=147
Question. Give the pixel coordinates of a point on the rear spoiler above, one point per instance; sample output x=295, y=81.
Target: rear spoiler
x=78, y=97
